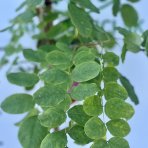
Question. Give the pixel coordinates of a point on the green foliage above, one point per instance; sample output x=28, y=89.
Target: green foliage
x=23, y=79
x=116, y=142
x=77, y=133
x=18, y=103
x=78, y=115
x=84, y=90
x=96, y=123
x=31, y=133
x=100, y=144
x=46, y=98
x=52, y=117
x=76, y=66
x=128, y=10
x=93, y=106
x=80, y=19
x=85, y=71
x=34, y=56
x=51, y=140
x=118, y=127
x=116, y=108
x=114, y=90
x=130, y=89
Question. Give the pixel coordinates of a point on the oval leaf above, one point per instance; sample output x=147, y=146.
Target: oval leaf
x=52, y=117
x=18, y=103
x=117, y=142
x=116, y=108
x=55, y=140
x=132, y=19
x=31, y=133
x=77, y=133
x=85, y=71
x=110, y=74
x=58, y=59
x=82, y=91
x=118, y=127
x=83, y=56
x=100, y=144
x=111, y=58
x=65, y=104
x=78, y=115
x=23, y=79
x=35, y=56
x=93, y=106
x=95, y=128
x=114, y=90
x=80, y=19
x=49, y=96
x=56, y=77
x=130, y=89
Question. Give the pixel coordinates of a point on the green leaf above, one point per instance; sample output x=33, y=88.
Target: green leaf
x=95, y=128
x=133, y=42
x=133, y=1
x=123, y=54
x=93, y=106
x=55, y=140
x=59, y=30
x=116, y=108
x=85, y=71
x=78, y=115
x=110, y=74
x=56, y=76
x=114, y=90
x=58, y=59
x=21, y=6
x=101, y=143
x=82, y=91
x=123, y=31
x=31, y=113
x=87, y=4
x=77, y=133
x=65, y=48
x=24, y=17
x=144, y=36
x=18, y=103
x=145, y=41
x=33, y=3
x=111, y=58
x=87, y=49
x=49, y=96
x=116, y=7
x=118, y=142
x=65, y=104
x=80, y=19
x=23, y=79
x=83, y=56
x=118, y=127
x=101, y=36
x=35, y=56
x=52, y=117
x=132, y=19
x=31, y=133
x=6, y=28
x=130, y=89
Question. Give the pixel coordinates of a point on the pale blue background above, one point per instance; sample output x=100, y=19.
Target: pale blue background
x=135, y=67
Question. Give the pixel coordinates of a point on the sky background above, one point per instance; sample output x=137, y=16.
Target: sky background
x=135, y=68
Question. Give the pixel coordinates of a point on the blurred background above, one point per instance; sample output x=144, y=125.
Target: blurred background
x=135, y=69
